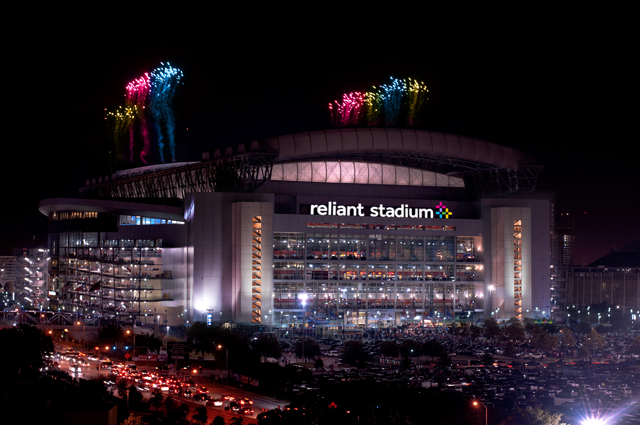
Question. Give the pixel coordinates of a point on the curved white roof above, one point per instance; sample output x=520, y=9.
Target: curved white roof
x=360, y=173
x=374, y=139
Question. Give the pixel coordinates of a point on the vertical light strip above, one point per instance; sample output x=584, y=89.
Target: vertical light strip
x=517, y=268
x=256, y=271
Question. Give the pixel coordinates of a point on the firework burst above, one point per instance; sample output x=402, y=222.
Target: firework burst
x=164, y=82
x=398, y=102
x=148, y=101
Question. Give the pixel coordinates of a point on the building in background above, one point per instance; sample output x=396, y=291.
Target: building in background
x=23, y=279
x=363, y=227
x=613, y=279
x=562, y=243
x=32, y=277
x=7, y=280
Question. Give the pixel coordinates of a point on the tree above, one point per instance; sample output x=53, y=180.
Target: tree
x=514, y=330
x=389, y=349
x=202, y=338
x=239, y=420
x=170, y=406
x=122, y=385
x=634, y=348
x=319, y=363
x=218, y=420
x=268, y=346
x=491, y=328
x=311, y=348
x=156, y=398
x=543, y=341
x=200, y=415
x=445, y=360
x=134, y=420
x=24, y=359
x=463, y=329
x=136, y=399
x=536, y=416
x=583, y=352
x=353, y=353
x=409, y=348
x=180, y=414
x=595, y=340
x=151, y=341
x=433, y=348
x=110, y=334
x=475, y=331
x=550, y=328
x=568, y=340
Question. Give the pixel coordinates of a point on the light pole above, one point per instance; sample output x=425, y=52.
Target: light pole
x=491, y=289
x=220, y=346
x=486, y=410
x=133, y=331
x=83, y=337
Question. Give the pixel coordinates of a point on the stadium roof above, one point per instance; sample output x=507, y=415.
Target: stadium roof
x=348, y=155
x=315, y=144
x=627, y=256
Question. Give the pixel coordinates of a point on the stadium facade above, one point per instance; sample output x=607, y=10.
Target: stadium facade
x=362, y=227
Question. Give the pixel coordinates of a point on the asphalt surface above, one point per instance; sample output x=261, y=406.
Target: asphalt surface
x=260, y=402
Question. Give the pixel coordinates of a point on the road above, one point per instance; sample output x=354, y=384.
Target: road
x=260, y=402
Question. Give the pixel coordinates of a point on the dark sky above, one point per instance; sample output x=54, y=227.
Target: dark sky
x=558, y=90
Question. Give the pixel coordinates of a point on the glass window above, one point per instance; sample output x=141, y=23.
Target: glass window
x=439, y=248
x=288, y=245
x=288, y=270
x=439, y=272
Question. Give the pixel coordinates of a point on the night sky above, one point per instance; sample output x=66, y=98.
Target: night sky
x=561, y=93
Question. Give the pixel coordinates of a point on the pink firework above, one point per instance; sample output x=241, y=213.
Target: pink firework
x=350, y=111
x=137, y=94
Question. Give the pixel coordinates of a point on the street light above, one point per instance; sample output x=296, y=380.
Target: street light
x=220, y=346
x=134, y=342
x=486, y=410
x=83, y=336
x=491, y=288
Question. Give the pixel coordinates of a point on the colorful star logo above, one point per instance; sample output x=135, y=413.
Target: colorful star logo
x=443, y=211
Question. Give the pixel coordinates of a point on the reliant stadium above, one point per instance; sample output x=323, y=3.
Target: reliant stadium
x=350, y=228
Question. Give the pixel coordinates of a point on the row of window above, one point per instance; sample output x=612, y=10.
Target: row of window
x=136, y=220
x=385, y=247
x=82, y=240
x=71, y=215
x=376, y=295
x=378, y=226
x=418, y=272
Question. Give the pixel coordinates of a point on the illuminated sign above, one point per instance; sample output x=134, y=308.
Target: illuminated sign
x=403, y=211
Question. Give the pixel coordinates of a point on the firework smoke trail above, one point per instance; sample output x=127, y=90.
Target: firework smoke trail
x=392, y=101
x=137, y=94
x=416, y=95
x=119, y=122
x=372, y=104
x=164, y=82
